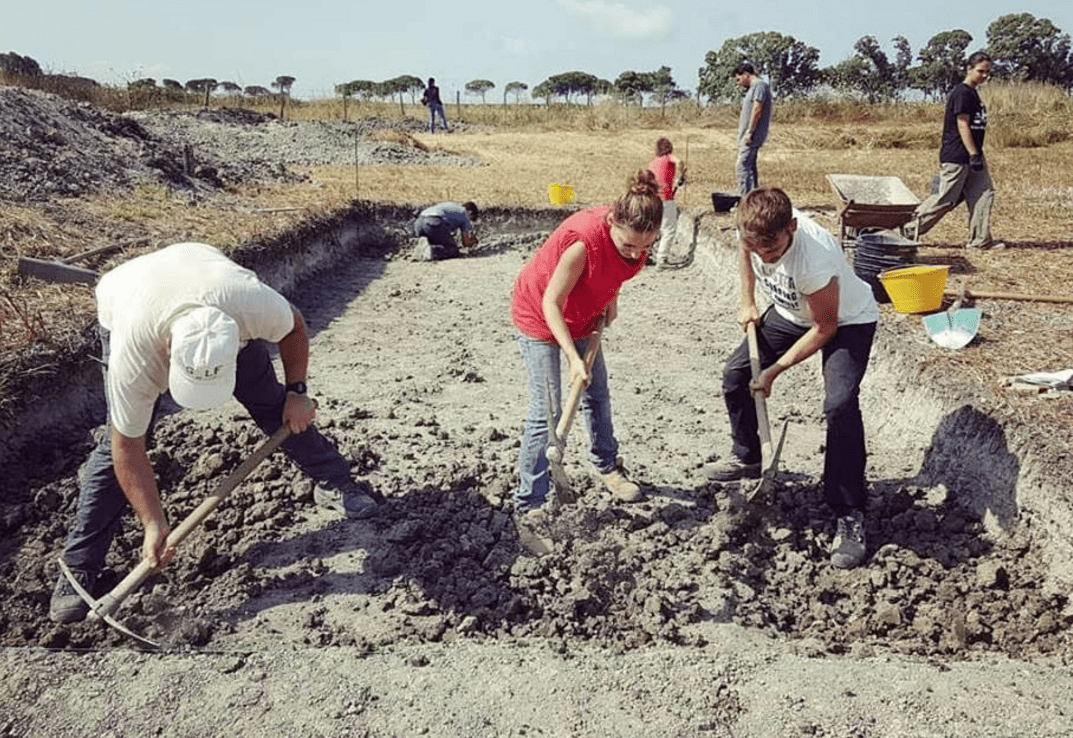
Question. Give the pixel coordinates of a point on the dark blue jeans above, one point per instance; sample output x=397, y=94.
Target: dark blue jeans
x=845, y=359
x=102, y=504
x=440, y=236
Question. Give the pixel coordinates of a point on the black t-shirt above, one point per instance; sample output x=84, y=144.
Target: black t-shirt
x=962, y=100
x=432, y=95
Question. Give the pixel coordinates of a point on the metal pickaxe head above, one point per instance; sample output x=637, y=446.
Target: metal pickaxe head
x=770, y=470
x=556, y=448
x=100, y=610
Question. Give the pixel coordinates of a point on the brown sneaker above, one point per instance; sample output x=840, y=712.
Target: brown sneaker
x=620, y=486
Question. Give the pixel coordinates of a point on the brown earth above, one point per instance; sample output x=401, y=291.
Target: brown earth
x=687, y=614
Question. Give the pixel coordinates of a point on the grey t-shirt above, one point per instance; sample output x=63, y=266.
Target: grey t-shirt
x=759, y=91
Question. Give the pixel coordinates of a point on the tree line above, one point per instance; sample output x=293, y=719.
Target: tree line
x=1022, y=48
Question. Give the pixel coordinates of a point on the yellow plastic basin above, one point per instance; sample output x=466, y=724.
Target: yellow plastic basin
x=917, y=288
x=560, y=194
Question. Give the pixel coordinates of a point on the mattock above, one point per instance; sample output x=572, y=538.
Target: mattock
x=104, y=608
x=558, y=433
x=770, y=458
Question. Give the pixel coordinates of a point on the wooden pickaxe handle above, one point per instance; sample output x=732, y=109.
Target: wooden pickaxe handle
x=107, y=604
x=578, y=386
x=1026, y=296
x=759, y=400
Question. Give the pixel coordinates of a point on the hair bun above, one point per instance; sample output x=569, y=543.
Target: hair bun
x=644, y=184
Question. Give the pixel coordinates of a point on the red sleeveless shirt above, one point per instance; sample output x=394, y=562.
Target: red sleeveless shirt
x=605, y=271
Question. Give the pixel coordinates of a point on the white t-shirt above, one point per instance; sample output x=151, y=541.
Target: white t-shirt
x=814, y=258
x=138, y=301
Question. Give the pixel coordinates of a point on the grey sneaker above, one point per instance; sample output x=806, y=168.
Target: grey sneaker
x=67, y=606
x=848, y=548
x=351, y=500
x=731, y=468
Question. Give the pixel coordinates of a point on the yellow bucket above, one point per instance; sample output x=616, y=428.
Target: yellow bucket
x=917, y=288
x=560, y=194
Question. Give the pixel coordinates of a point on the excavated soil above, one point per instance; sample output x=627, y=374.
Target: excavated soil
x=691, y=613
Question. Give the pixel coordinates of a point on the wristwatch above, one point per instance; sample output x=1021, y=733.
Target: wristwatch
x=298, y=388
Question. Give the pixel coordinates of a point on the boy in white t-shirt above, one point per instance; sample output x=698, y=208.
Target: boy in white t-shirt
x=818, y=304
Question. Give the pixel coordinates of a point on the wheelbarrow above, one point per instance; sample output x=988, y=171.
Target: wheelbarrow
x=872, y=202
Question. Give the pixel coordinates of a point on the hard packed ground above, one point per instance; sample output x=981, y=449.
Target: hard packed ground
x=690, y=613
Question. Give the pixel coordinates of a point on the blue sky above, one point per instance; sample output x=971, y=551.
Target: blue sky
x=324, y=42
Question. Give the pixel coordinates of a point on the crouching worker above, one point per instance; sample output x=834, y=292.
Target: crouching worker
x=818, y=304
x=559, y=296
x=439, y=223
x=188, y=320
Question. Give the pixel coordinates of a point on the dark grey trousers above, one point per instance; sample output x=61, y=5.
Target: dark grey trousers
x=102, y=504
x=845, y=359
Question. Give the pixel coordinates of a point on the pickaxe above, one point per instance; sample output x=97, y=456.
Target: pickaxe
x=557, y=438
x=770, y=459
x=103, y=608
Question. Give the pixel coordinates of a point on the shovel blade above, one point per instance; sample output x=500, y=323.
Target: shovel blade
x=564, y=493
x=953, y=329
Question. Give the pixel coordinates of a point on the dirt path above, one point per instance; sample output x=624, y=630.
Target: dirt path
x=679, y=616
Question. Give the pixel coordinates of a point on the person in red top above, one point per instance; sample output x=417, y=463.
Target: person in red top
x=670, y=175
x=558, y=299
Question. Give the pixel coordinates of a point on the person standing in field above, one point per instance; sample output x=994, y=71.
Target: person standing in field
x=670, y=174
x=817, y=305
x=753, y=124
x=431, y=100
x=963, y=171
x=572, y=280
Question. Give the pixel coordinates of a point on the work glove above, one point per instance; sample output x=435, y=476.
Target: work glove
x=976, y=162
x=681, y=181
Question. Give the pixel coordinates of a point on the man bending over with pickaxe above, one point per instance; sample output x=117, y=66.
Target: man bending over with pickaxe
x=188, y=320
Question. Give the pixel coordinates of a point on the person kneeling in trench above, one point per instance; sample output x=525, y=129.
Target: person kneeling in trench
x=189, y=321
x=818, y=304
x=438, y=224
x=559, y=296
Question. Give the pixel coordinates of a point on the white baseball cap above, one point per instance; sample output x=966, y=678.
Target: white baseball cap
x=204, y=353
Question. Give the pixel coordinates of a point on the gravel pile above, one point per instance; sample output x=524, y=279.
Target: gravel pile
x=50, y=146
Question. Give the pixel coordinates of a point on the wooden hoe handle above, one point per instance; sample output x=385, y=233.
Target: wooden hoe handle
x=574, y=398
x=758, y=396
x=109, y=602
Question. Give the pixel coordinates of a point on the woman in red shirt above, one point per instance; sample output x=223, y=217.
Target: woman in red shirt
x=670, y=174
x=559, y=296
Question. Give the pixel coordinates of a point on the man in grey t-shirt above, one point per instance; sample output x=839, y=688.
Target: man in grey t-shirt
x=753, y=124
x=438, y=224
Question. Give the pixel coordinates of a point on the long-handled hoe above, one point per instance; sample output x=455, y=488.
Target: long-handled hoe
x=104, y=608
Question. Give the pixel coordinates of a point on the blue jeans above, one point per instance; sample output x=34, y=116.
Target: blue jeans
x=748, y=179
x=101, y=502
x=845, y=359
x=434, y=108
x=441, y=237
x=541, y=361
